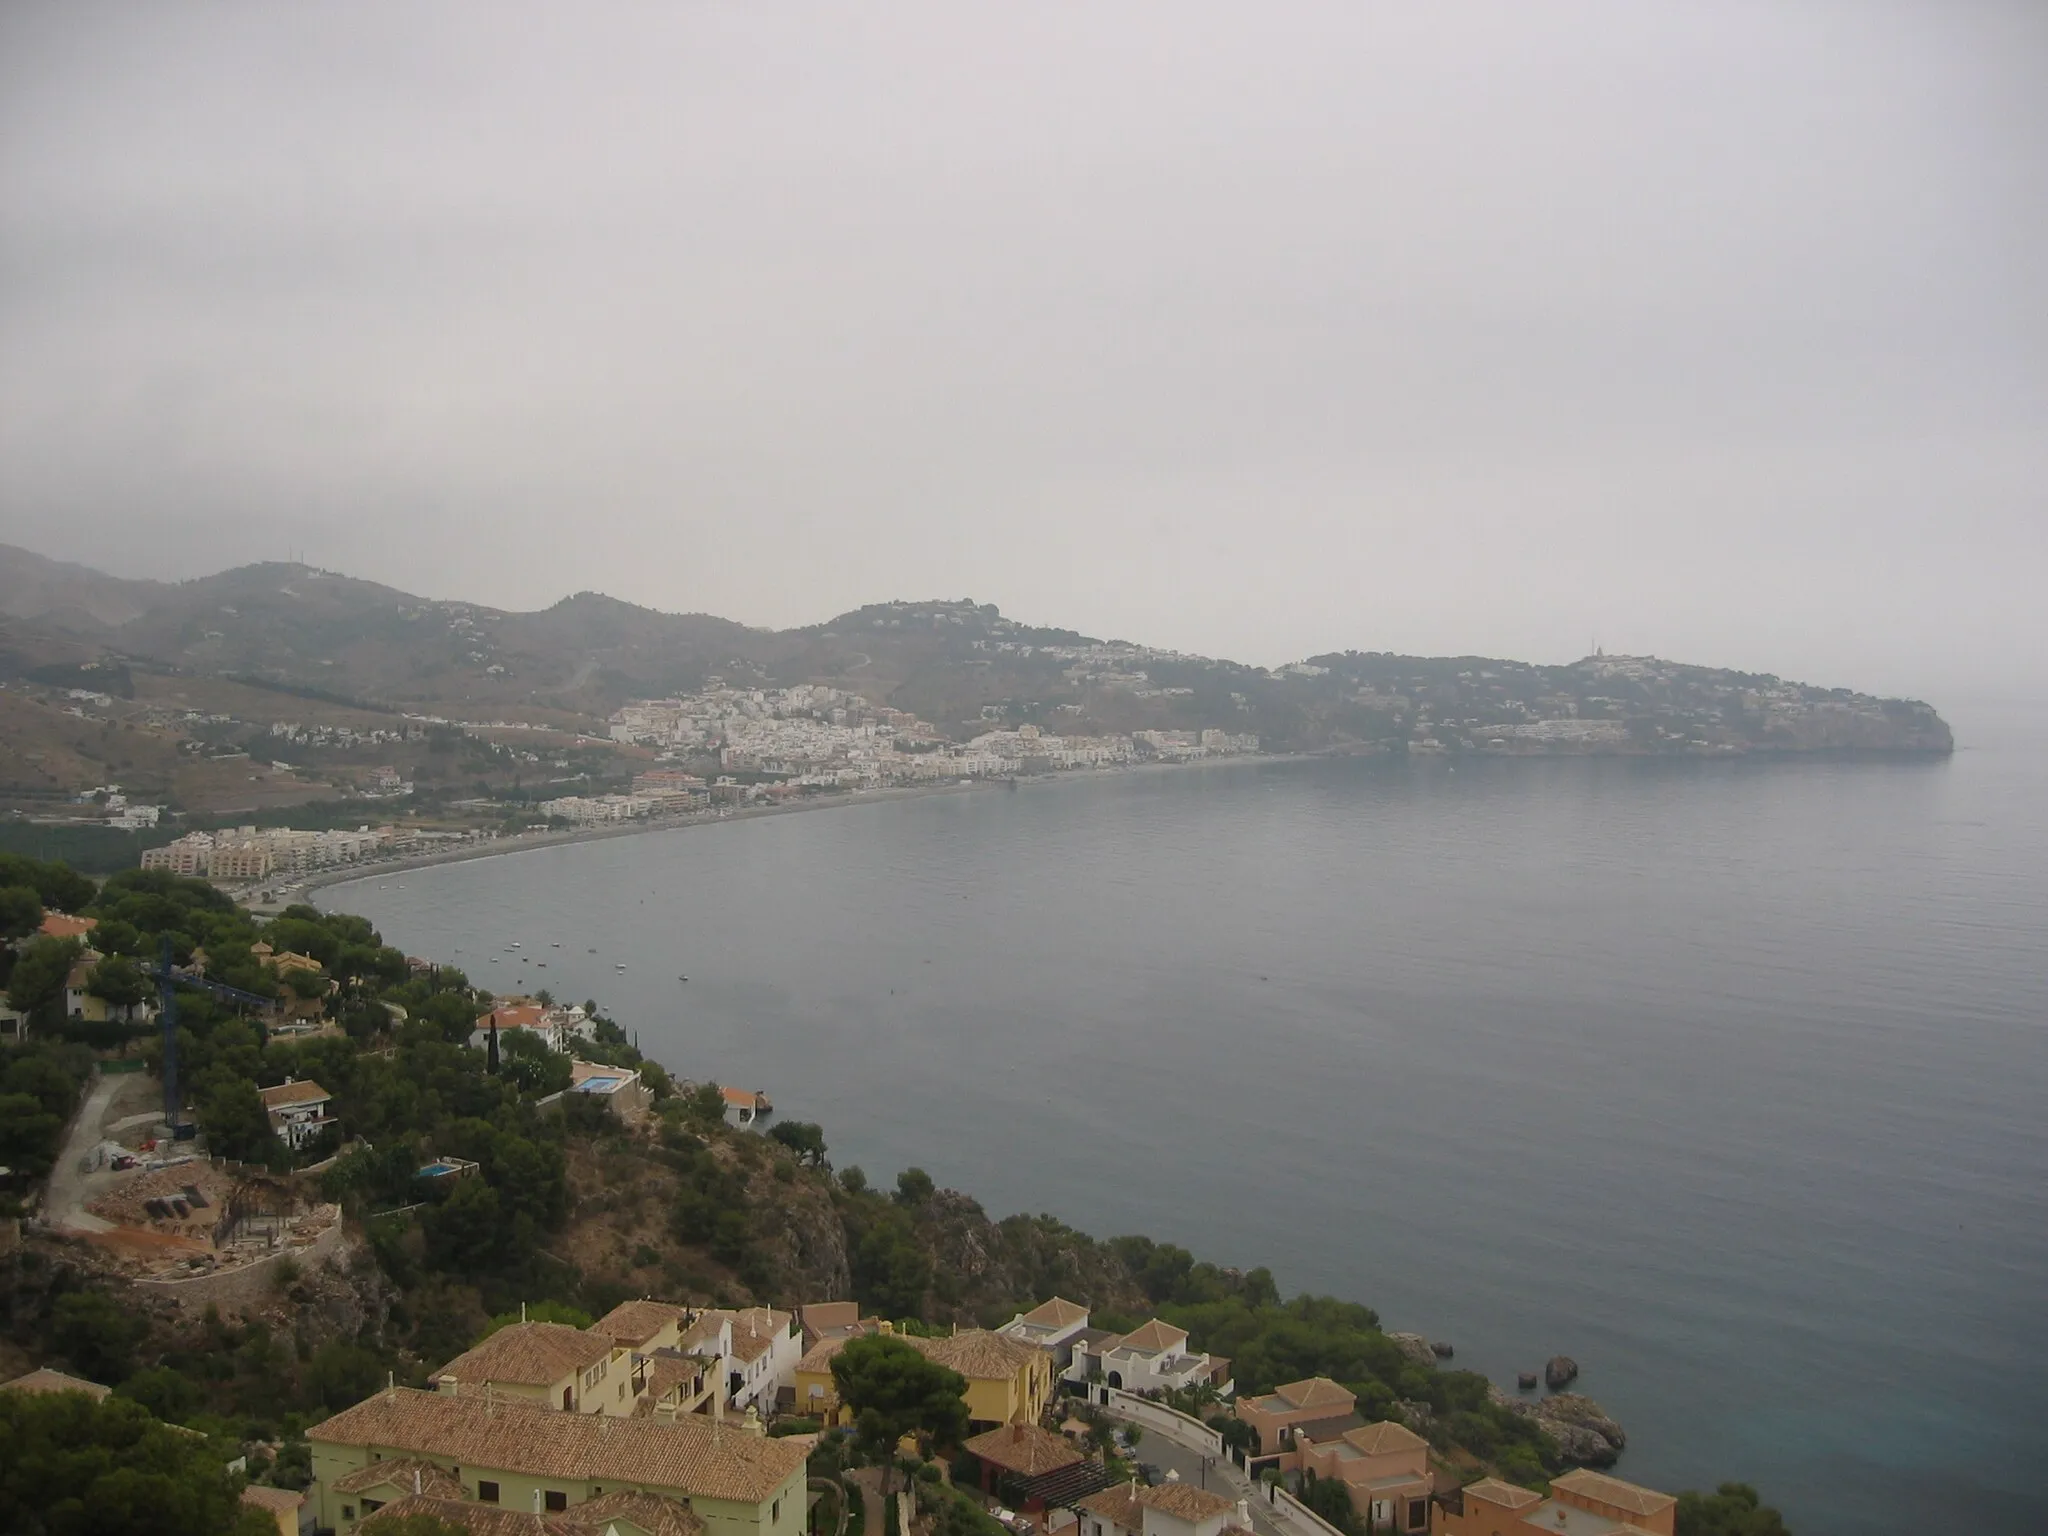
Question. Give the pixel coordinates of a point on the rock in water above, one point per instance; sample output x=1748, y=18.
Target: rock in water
x=1442, y=1350
x=1526, y=1380
x=1582, y=1429
x=1415, y=1347
x=1561, y=1372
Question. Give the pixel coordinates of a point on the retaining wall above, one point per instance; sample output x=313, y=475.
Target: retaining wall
x=1188, y=1433
x=246, y=1284
x=1296, y=1517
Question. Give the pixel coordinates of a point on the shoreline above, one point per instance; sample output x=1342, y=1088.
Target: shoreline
x=506, y=847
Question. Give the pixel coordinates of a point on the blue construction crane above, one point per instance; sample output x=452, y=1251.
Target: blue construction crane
x=167, y=982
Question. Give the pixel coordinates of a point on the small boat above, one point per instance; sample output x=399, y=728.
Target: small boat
x=620, y=966
x=554, y=946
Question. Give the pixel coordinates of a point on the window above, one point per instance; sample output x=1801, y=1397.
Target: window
x=568, y=1398
x=348, y=1511
x=775, y=1513
x=1418, y=1514
x=555, y=1500
x=486, y=1493
x=370, y=1505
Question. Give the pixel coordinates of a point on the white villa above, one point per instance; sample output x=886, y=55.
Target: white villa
x=1153, y=1358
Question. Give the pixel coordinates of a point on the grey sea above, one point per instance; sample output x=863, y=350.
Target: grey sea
x=1729, y=1079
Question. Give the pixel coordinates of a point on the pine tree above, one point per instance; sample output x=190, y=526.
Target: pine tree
x=491, y=1050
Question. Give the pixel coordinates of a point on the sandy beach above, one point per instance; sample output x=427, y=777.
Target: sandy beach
x=524, y=842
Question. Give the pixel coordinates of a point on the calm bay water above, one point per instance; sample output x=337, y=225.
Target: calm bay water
x=1728, y=1079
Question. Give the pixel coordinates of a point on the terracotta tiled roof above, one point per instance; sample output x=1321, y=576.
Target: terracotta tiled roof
x=1154, y=1337
x=62, y=925
x=528, y=1355
x=47, y=1380
x=819, y=1360
x=593, y=1517
x=755, y=1330
x=652, y=1513
x=1185, y=1501
x=979, y=1354
x=1506, y=1495
x=691, y=1456
x=1637, y=1500
x=667, y=1372
x=1383, y=1438
x=741, y=1098
x=633, y=1323
x=1057, y=1313
x=514, y=1016
x=1117, y=1506
x=284, y=1500
x=1025, y=1449
x=705, y=1330
x=1316, y=1392
x=404, y=1473
x=291, y=1095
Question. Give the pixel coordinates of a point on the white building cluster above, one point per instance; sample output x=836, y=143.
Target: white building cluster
x=831, y=739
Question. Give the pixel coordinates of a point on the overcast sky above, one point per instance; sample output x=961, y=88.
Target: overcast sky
x=1718, y=330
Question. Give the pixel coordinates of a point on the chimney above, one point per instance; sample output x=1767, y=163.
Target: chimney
x=416, y=1480
x=1244, y=1513
x=1017, y=1433
x=522, y=1311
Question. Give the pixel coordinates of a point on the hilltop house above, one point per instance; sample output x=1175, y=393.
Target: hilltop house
x=1052, y=1326
x=1318, y=1407
x=1152, y=1358
x=1008, y=1381
x=1384, y=1467
x=1171, y=1508
x=522, y=1457
x=550, y=1026
x=81, y=1006
x=549, y=1365
x=743, y=1106
x=297, y=1110
x=619, y=1088
x=1582, y=1500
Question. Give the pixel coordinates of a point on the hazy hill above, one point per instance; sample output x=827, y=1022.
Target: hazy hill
x=962, y=665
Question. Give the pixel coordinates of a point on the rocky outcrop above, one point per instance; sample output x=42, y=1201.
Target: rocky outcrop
x=1414, y=1347
x=1441, y=1350
x=1584, y=1433
x=1560, y=1372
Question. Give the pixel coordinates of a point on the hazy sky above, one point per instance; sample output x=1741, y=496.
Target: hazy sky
x=1714, y=329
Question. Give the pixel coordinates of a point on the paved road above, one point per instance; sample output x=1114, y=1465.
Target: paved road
x=64, y=1205
x=1223, y=1477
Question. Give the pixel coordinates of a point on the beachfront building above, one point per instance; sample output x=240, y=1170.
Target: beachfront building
x=1583, y=1500
x=523, y=1458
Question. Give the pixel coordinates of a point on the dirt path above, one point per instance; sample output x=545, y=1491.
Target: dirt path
x=64, y=1204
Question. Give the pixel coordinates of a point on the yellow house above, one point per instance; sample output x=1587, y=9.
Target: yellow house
x=531, y=1460
x=645, y=1325
x=1008, y=1381
x=550, y=1365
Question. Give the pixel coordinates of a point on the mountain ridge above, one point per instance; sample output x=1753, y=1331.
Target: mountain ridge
x=963, y=665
